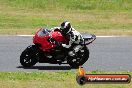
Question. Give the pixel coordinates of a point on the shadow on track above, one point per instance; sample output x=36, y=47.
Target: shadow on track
x=47, y=67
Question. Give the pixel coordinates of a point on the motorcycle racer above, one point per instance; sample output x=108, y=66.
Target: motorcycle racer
x=61, y=45
x=72, y=35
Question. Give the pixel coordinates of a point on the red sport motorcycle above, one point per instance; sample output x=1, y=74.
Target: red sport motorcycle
x=46, y=49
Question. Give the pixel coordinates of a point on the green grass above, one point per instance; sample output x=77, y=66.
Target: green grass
x=101, y=17
x=51, y=80
x=72, y=4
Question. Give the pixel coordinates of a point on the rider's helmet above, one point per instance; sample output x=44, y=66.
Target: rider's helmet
x=65, y=27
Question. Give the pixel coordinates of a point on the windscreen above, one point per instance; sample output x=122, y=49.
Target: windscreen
x=43, y=32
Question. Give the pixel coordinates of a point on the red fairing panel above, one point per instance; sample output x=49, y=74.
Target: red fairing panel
x=58, y=37
x=45, y=45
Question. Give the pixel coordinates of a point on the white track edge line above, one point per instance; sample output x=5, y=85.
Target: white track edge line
x=96, y=36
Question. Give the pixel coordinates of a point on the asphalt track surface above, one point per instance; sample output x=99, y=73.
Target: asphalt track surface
x=106, y=54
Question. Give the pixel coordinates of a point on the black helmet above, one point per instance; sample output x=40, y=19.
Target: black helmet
x=65, y=27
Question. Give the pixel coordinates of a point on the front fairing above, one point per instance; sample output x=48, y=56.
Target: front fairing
x=41, y=38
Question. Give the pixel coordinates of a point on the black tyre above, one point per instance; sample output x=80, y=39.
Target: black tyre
x=28, y=57
x=81, y=57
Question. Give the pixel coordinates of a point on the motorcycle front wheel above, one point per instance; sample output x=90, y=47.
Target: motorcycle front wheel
x=28, y=57
x=80, y=58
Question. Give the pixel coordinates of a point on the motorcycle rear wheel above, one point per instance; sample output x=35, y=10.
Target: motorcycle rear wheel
x=79, y=59
x=28, y=57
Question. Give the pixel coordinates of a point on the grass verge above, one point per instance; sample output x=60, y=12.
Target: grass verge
x=101, y=17
x=51, y=80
